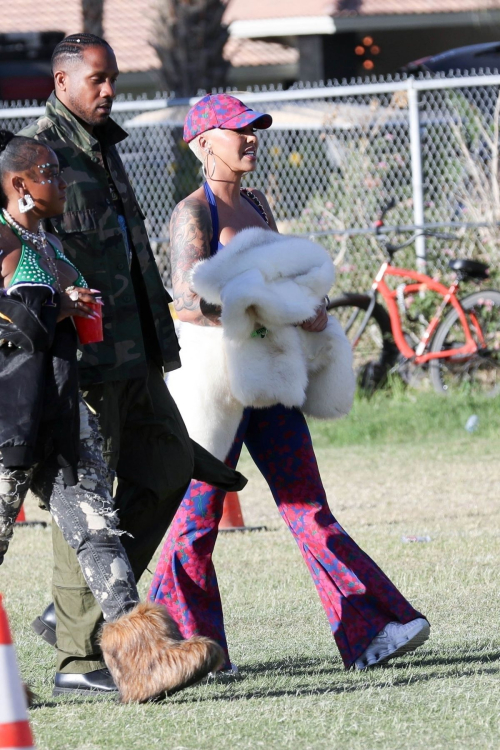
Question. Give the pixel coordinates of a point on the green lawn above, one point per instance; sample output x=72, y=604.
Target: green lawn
x=418, y=472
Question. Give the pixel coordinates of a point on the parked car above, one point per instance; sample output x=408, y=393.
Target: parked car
x=25, y=65
x=465, y=59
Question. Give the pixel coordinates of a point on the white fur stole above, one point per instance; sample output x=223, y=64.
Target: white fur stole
x=261, y=279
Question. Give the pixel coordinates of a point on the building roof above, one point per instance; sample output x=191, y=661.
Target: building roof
x=256, y=52
x=243, y=10
x=128, y=23
x=127, y=27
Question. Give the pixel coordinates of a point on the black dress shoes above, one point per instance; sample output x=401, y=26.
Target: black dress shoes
x=45, y=625
x=99, y=681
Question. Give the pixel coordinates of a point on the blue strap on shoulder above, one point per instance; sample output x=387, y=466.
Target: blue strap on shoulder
x=214, y=242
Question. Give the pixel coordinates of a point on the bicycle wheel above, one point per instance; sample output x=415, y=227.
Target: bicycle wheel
x=375, y=352
x=479, y=372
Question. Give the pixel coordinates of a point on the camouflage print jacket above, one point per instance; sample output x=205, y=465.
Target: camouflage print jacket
x=92, y=239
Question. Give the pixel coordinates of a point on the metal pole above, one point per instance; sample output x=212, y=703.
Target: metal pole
x=416, y=171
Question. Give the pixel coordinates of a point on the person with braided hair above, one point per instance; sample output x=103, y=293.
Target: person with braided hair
x=49, y=439
x=146, y=444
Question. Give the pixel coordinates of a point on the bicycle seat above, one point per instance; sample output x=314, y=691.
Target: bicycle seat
x=472, y=268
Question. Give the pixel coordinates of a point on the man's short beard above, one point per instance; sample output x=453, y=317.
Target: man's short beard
x=85, y=116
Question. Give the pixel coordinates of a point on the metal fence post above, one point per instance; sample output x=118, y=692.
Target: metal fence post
x=416, y=171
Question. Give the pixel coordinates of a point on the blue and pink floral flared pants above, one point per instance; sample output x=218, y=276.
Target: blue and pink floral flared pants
x=358, y=598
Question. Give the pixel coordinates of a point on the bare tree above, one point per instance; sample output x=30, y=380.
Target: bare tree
x=92, y=15
x=189, y=39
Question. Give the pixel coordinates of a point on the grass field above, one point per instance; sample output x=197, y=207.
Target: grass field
x=396, y=466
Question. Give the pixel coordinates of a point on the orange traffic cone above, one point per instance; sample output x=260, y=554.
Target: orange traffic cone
x=21, y=520
x=15, y=732
x=232, y=517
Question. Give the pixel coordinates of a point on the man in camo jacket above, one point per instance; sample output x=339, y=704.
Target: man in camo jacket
x=145, y=441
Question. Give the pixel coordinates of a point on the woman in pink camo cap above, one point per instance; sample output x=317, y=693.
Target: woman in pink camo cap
x=370, y=619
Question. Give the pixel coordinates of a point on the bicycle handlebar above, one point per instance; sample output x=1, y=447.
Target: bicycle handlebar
x=379, y=223
x=441, y=235
x=387, y=208
x=426, y=233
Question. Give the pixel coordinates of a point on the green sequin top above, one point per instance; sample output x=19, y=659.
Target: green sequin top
x=30, y=271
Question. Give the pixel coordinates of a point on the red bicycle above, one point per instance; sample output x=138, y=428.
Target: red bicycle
x=460, y=349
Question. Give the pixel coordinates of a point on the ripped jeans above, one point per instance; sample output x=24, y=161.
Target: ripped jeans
x=84, y=513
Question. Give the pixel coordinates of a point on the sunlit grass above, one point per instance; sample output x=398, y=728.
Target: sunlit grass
x=394, y=467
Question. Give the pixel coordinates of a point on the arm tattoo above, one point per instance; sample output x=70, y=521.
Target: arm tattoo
x=190, y=231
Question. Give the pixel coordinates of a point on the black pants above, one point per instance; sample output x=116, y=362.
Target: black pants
x=147, y=445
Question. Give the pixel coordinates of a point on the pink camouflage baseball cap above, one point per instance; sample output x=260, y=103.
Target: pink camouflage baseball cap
x=222, y=111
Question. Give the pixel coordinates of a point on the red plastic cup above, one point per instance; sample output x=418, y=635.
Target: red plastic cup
x=90, y=329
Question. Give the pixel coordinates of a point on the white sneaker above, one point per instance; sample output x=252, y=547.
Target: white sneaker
x=395, y=639
x=223, y=675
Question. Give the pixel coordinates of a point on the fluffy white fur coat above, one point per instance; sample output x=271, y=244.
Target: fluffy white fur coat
x=261, y=278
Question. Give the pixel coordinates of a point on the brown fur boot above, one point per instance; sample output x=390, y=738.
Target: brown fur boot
x=147, y=656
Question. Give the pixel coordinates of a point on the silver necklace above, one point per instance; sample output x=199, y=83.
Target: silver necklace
x=257, y=202
x=38, y=240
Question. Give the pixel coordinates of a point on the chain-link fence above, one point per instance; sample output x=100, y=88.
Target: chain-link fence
x=334, y=157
